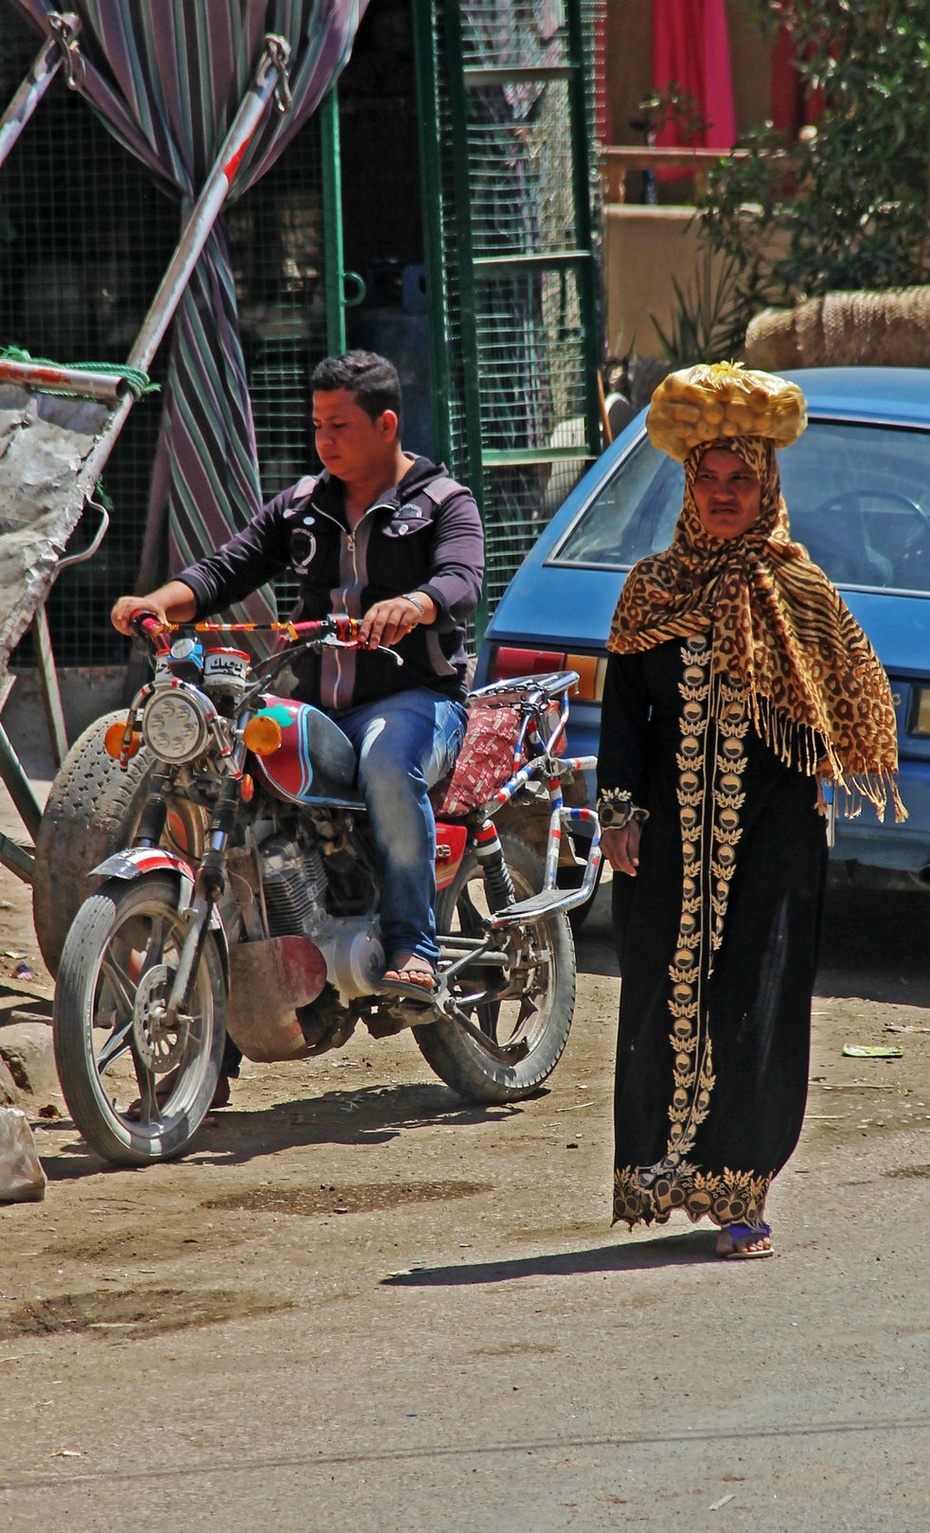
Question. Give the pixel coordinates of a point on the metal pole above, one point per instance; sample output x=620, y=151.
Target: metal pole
x=332, y=224
x=584, y=174
x=426, y=62
x=203, y=215
x=30, y=93
x=461, y=181
x=18, y=785
x=51, y=693
x=71, y=380
x=61, y=48
x=20, y=862
x=194, y=236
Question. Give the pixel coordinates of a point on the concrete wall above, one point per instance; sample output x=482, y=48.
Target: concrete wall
x=644, y=249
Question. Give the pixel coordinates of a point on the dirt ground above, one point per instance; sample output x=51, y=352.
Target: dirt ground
x=358, y=1302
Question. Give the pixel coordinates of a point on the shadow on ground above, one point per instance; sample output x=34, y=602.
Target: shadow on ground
x=373, y=1115
x=875, y=945
x=666, y=1251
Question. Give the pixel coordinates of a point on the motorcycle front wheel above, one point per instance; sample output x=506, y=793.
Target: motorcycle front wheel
x=524, y=1012
x=137, y=1090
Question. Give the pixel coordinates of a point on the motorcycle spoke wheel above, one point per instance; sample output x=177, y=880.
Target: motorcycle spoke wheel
x=524, y=1007
x=137, y=1088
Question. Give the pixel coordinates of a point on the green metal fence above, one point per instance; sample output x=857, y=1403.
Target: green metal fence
x=505, y=189
x=507, y=143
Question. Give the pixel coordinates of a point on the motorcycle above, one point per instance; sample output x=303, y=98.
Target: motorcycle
x=265, y=924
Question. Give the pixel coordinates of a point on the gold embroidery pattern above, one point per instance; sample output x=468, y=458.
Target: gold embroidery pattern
x=725, y=1198
x=652, y=1192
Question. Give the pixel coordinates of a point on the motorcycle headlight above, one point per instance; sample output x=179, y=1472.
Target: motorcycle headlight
x=175, y=723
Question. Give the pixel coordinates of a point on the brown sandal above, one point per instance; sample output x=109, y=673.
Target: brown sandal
x=423, y=979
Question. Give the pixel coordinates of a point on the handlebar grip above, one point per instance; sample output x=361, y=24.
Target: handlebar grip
x=147, y=626
x=337, y=625
x=346, y=627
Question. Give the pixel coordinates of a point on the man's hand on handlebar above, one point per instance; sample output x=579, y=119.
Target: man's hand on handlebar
x=392, y=619
x=171, y=603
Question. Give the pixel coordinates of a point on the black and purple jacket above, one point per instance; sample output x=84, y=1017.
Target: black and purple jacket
x=423, y=535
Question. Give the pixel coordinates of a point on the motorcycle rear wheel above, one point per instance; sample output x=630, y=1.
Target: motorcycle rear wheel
x=535, y=1010
x=116, y=969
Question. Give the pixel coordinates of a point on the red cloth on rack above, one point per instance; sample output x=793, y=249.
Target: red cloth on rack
x=691, y=48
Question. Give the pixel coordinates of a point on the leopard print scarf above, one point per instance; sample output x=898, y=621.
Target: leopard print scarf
x=779, y=630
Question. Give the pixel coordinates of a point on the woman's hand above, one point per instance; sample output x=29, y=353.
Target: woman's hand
x=621, y=848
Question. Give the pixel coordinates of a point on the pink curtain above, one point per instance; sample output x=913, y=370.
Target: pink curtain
x=691, y=49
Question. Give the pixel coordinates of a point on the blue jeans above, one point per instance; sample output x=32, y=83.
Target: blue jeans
x=405, y=744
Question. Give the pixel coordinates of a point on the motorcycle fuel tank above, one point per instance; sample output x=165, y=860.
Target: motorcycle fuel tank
x=315, y=759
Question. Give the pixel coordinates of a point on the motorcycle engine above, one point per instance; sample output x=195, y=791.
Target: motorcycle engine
x=294, y=881
x=295, y=887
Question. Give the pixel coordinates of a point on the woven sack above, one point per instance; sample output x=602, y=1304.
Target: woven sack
x=484, y=762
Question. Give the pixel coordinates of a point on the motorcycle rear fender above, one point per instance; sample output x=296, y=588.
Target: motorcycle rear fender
x=451, y=841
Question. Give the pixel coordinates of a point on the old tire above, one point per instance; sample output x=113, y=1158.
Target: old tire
x=93, y=810
x=538, y=1010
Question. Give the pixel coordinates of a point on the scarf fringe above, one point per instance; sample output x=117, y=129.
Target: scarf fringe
x=806, y=750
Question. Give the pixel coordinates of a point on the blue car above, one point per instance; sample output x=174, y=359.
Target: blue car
x=857, y=487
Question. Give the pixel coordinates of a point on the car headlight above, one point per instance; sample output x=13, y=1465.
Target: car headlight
x=175, y=723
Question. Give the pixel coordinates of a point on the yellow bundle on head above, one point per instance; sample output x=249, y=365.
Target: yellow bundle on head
x=723, y=399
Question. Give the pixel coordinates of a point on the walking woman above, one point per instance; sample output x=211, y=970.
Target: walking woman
x=738, y=685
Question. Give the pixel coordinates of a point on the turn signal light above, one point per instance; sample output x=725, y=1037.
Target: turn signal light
x=919, y=712
x=113, y=741
x=510, y=662
x=262, y=735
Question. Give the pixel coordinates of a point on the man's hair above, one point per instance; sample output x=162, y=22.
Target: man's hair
x=372, y=379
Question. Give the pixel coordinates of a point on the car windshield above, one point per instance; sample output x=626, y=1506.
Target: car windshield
x=858, y=498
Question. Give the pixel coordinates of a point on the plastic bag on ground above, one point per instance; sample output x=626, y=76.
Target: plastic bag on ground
x=22, y=1179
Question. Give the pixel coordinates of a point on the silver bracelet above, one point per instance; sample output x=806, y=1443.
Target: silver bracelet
x=418, y=604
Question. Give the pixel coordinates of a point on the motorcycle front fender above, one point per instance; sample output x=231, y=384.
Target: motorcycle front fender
x=137, y=861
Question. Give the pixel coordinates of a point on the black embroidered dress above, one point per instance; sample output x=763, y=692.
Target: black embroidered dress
x=717, y=937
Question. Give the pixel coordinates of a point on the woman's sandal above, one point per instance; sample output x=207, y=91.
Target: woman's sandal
x=747, y=1232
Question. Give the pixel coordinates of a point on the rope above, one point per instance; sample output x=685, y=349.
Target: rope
x=138, y=381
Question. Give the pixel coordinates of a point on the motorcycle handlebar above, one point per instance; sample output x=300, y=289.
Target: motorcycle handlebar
x=337, y=626
x=145, y=625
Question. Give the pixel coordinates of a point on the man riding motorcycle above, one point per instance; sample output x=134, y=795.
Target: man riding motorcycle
x=387, y=537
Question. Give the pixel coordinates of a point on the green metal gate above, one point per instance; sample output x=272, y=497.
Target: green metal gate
x=506, y=94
